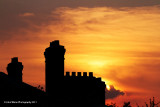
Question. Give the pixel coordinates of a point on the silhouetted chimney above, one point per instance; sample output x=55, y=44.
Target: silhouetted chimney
x=14, y=60
x=54, y=43
x=14, y=70
x=54, y=67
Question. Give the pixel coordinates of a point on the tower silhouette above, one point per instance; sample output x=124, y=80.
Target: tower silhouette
x=14, y=70
x=54, y=66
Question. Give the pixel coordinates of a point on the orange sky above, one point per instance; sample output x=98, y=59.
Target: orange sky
x=120, y=45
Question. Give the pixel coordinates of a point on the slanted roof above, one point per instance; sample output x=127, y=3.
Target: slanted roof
x=11, y=90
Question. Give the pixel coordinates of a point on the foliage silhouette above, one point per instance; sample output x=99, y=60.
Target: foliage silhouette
x=152, y=103
x=127, y=104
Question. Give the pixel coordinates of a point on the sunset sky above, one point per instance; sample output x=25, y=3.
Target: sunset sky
x=118, y=40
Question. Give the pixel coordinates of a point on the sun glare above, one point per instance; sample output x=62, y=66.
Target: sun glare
x=97, y=63
x=108, y=87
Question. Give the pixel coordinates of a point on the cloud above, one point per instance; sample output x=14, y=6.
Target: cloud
x=143, y=73
x=27, y=14
x=9, y=9
x=43, y=13
x=113, y=93
x=50, y=4
x=123, y=41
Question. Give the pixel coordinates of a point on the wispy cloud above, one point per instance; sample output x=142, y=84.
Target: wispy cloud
x=27, y=14
x=123, y=43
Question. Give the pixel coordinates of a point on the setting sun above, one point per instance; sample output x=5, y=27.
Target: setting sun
x=117, y=40
x=97, y=63
x=108, y=87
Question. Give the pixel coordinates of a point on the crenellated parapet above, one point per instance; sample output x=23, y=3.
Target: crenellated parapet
x=86, y=86
x=79, y=74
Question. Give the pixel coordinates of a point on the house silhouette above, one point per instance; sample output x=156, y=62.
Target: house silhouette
x=68, y=89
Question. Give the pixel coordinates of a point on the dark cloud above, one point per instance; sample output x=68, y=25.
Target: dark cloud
x=113, y=93
x=50, y=4
x=12, y=10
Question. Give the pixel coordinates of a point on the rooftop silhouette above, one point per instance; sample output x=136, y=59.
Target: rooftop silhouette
x=70, y=89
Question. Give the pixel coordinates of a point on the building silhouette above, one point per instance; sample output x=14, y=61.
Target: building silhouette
x=63, y=89
x=14, y=70
x=13, y=91
x=74, y=88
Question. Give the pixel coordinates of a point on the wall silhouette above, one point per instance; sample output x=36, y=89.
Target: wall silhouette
x=69, y=90
x=82, y=90
x=85, y=90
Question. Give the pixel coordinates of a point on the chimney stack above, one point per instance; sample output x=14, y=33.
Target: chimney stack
x=14, y=70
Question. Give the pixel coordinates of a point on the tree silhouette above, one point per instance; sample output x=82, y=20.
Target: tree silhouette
x=126, y=104
x=40, y=87
x=152, y=103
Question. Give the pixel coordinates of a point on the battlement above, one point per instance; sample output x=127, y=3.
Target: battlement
x=82, y=76
x=79, y=74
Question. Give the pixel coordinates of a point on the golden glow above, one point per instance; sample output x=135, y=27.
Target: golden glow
x=119, y=45
x=96, y=63
x=108, y=87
